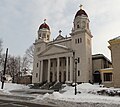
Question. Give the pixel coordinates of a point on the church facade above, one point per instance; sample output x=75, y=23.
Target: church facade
x=54, y=61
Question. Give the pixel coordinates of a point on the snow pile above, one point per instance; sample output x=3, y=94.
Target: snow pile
x=86, y=93
x=55, y=95
x=10, y=86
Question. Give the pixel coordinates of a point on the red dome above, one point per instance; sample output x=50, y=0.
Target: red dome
x=80, y=13
x=44, y=26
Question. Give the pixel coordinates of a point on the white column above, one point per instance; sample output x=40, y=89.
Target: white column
x=54, y=65
x=41, y=70
x=71, y=69
x=66, y=69
x=48, y=79
x=58, y=64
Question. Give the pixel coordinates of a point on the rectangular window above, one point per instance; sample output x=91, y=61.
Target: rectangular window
x=78, y=40
x=78, y=60
x=107, y=77
x=37, y=64
x=78, y=73
x=36, y=75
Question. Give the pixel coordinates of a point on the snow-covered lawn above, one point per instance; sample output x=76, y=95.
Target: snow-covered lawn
x=87, y=95
x=10, y=86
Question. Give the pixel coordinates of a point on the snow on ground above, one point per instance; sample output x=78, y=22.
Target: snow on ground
x=10, y=86
x=88, y=94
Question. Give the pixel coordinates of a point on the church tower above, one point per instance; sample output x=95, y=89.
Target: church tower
x=44, y=32
x=81, y=44
x=39, y=46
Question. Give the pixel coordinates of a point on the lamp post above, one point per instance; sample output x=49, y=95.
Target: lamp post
x=3, y=76
x=75, y=75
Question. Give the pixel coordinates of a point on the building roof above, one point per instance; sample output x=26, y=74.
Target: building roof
x=100, y=56
x=114, y=41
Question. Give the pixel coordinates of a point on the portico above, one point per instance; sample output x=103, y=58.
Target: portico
x=56, y=69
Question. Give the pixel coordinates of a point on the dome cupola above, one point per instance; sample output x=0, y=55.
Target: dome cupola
x=81, y=20
x=44, y=32
x=44, y=26
x=81, y=12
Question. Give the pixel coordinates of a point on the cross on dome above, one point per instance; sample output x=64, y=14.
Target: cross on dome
x=60, y=32
x=44, y=20
x=81, y=6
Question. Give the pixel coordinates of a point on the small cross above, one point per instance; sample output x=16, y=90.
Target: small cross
x=44, y=20
x=60, y=32
x=81, y=6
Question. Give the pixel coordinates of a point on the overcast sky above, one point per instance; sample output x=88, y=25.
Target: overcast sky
x=20, y=20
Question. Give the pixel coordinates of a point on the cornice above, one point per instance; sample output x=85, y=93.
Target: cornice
x=81, y=31
x=116, y=41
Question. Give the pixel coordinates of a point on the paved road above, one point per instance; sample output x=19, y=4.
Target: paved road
x=7, y=103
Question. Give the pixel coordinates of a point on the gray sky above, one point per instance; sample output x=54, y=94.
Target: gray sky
x=20, y=20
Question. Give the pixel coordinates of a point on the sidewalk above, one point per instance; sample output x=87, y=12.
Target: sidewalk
x=32, y=91
x=25, y=98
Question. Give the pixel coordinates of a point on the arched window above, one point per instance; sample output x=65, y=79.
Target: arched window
x=80, y=40
x=47, y=37
x=78, y=26
x=78, y=72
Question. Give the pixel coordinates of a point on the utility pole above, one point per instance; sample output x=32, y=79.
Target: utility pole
x=76, y=61
x=3, y=76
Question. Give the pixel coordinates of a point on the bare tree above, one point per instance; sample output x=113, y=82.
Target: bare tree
x=1, y=42
x=13, y=67
x=25, y=63
x=1, y=59
x=29, y=53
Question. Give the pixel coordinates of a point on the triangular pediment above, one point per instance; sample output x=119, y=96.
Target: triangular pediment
x=55, y=49
x=59, y=37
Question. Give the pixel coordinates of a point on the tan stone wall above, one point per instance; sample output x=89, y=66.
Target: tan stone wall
x=115, y=51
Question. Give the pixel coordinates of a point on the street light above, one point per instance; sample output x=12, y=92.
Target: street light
x=76, y=61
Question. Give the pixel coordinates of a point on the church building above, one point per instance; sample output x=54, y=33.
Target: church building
x=54, y=61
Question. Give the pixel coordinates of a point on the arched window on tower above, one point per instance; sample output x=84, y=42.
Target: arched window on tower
x=39, y=36
x=78, y=25
x=47, y=37
x=88, y=25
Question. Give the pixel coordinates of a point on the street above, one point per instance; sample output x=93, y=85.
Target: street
x=7, y=103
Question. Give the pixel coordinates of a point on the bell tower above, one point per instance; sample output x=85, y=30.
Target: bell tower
x=81, y=21
x=44, y=32
x=81, y=42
